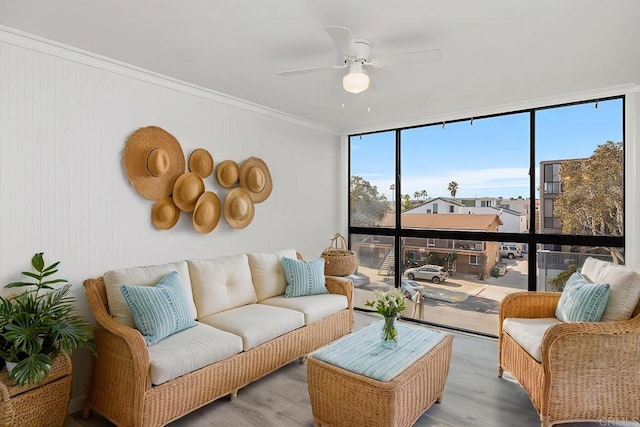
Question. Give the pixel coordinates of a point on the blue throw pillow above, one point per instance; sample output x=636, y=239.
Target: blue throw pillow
x=160, y=310
x=303, y=277
x=581, y=300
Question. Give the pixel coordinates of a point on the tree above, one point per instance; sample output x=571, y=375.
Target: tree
x=423, y=193
x=453, y=188
x=392, y=187
x=591, y=200
x=416, y=195
x=368, y=207
x=406, y=202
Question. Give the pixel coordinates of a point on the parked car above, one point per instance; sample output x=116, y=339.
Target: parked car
x=435, y=273
x=509, y=251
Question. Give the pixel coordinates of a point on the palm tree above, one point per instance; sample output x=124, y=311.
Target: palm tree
x=392, y=187
x=416, y=195
x=453, y=188
x=423, y=193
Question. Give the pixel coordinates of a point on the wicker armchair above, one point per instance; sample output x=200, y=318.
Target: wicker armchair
x=588, y=371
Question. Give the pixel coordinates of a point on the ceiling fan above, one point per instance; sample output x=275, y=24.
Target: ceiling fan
x=356, y=54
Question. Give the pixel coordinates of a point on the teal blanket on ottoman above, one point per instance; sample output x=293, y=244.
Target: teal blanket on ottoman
x=362, y=353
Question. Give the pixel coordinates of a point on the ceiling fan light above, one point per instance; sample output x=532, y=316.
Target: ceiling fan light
x=355, y=82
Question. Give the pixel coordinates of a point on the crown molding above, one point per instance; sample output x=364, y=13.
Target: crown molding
x=49, y=47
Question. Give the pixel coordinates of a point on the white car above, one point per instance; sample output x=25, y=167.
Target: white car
x=435, y=273
x=509, y=251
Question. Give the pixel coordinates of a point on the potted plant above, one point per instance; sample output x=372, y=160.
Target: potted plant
x=39, y=323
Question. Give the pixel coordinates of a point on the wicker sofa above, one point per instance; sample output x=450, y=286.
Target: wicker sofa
x=246, y=328
x=576, y=371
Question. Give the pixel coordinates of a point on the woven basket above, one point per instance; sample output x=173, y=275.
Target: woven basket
x=338, y=260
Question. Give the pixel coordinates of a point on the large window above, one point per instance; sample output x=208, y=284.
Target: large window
x=505, y=202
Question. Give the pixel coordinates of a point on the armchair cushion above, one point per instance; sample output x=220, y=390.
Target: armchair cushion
x=582, y=301
x=528, y=333
x=624, y=289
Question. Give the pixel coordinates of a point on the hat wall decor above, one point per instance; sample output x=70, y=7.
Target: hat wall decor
x=155, y=166
x=201, y=162
x=153, y=160
x=188, y=188
x=256, y=179
x=206, y=214
x=165, y=213
x=239, y=208
x=228, y=173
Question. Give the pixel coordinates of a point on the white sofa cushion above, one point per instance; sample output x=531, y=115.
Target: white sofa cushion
x=268, y=275
x=142, y=276
x=256, y=323
x=314, y=307
x=189, y=350
x=528, y=333
x=624, y=287
x=221, y=284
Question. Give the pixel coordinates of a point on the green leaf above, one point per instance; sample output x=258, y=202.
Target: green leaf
x=52, y=266
x=32, y=275
x=32, y=369
x=38, y=262
x=50, y=282
x=20, y=284
x=46, y=273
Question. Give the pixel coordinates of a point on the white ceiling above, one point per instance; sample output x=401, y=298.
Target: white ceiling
x=495, y=52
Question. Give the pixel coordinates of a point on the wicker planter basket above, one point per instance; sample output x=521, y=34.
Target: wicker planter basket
x=43, y=405
x=338, y=260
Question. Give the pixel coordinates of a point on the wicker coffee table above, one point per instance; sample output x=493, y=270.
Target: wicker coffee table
x=413, y=377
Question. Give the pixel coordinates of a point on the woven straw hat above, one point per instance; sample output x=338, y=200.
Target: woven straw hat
x=165, y=213
x=201, y=162
x=153, y=160
x=206, y=214
x=238, y=208
x=188, y=187
x=228, y=173
x=256, y=179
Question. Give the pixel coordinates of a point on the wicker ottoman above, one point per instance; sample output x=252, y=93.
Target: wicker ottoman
x=340, y=397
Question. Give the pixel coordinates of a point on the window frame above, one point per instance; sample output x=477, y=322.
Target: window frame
x=531, y=239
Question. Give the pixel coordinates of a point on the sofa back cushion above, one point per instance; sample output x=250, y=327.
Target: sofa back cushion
x=624, y=290
x=142, y=276
x=221, y=284
x=268, y=276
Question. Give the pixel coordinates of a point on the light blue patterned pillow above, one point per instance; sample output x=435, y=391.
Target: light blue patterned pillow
x=303, y=277
x=160, y=310
x=581, y=300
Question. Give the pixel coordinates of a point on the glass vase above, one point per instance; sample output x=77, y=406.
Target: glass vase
x=389, y=334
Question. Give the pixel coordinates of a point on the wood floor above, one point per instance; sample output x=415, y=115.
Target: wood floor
x=473, y=396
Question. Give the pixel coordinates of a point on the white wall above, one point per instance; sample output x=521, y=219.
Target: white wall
x=64, y=120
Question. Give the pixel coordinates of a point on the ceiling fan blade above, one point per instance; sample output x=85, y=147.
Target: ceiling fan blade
x=343, y=40
x=424, y=55
x=305, y=70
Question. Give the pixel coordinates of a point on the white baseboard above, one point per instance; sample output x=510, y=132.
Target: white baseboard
x=76, y=404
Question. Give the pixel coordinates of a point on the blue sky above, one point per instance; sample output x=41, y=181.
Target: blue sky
x=489, y=157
